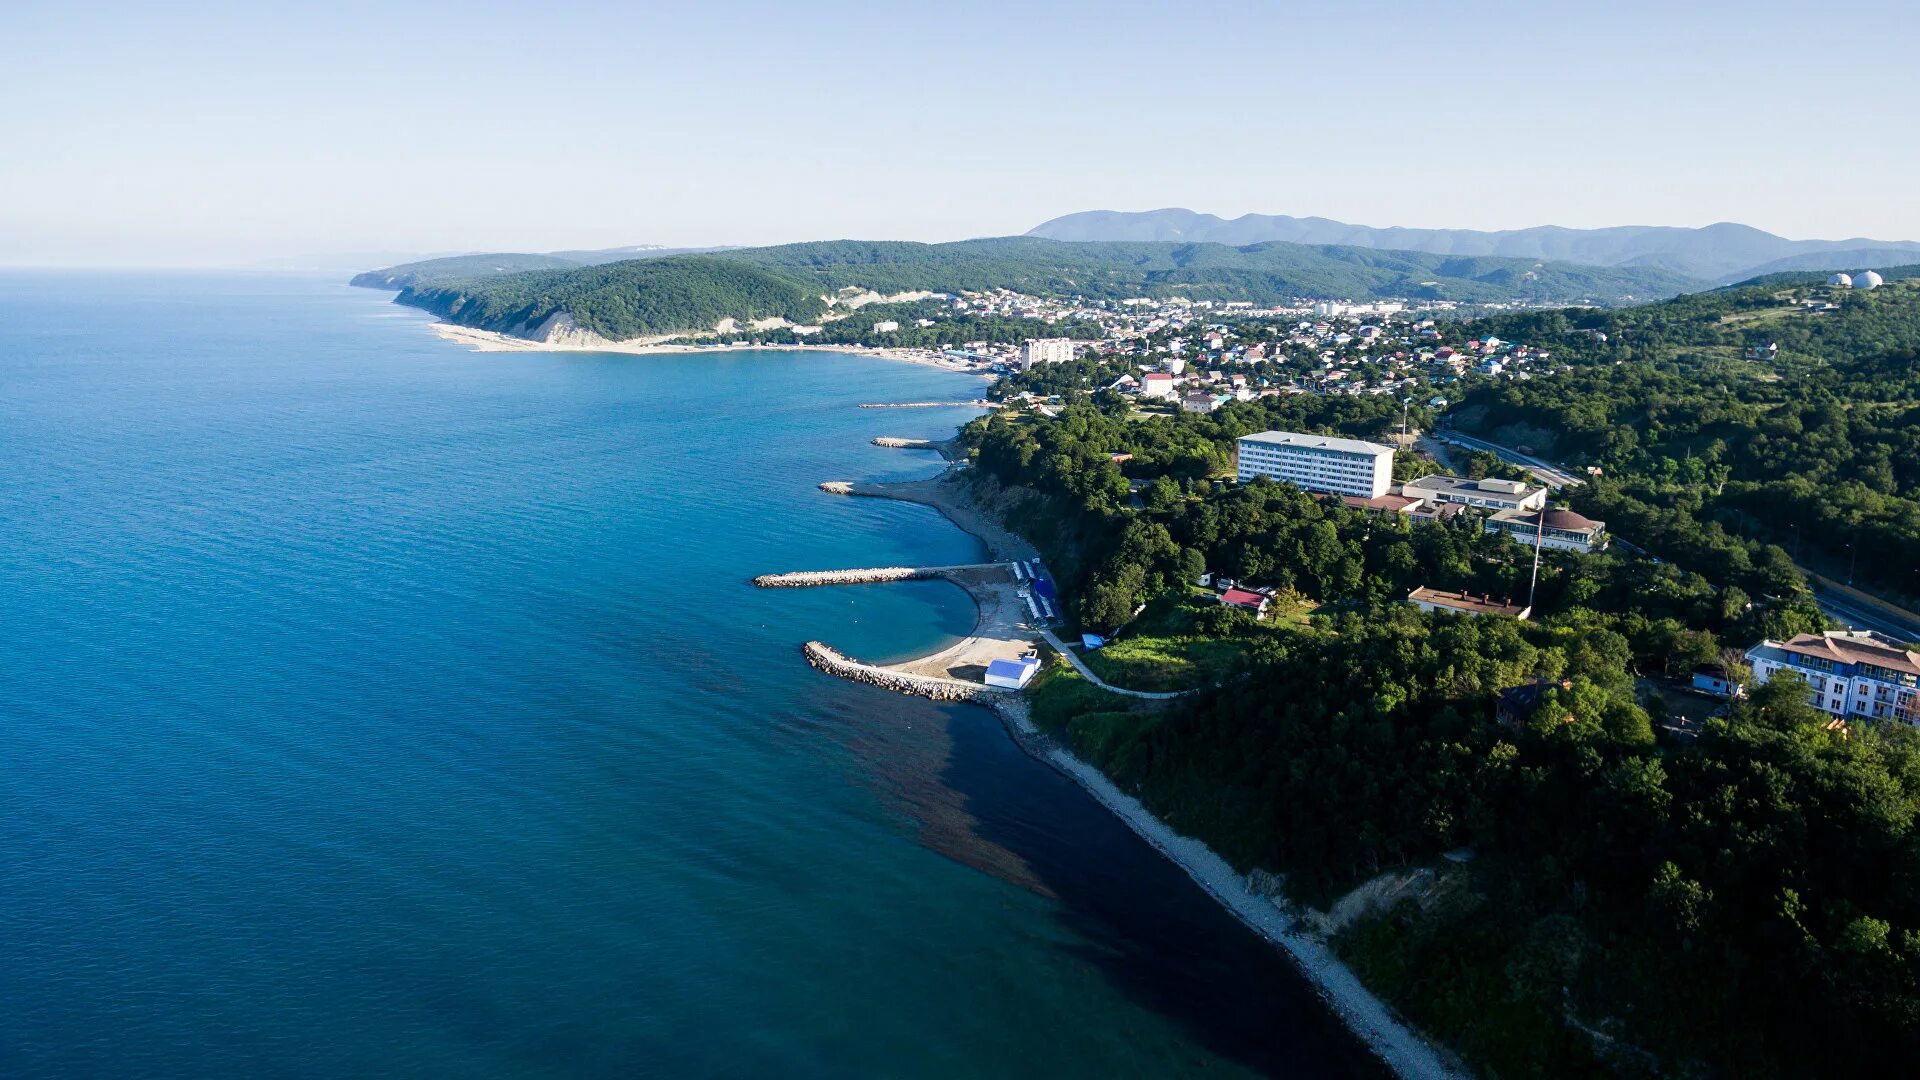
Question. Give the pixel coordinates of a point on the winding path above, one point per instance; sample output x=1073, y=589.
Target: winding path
x=1087, y=673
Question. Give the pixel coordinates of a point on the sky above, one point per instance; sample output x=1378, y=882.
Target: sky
x=210, y=134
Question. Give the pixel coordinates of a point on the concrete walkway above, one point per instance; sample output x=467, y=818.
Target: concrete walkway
x=1087, y=674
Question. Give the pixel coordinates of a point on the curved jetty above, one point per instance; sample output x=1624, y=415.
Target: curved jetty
x=905, y=444
x=830, y=660
x=977, y=403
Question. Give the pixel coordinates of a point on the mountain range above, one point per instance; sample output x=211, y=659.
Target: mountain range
x=484, y=264
x=1719, y=254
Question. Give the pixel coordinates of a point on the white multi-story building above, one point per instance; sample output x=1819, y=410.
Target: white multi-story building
x=1318, y=462
x=1045, y=351
x=886, y=326
x=1850, y=673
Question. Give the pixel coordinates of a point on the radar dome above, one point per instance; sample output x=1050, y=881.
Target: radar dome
x=1869, y=280
x=1840, y=281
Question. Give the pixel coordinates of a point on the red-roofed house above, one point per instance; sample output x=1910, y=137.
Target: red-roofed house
x=1246, y=601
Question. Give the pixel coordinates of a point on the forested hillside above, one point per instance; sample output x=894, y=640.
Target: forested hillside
x=611, y=299
x=624, y=299
x=1741, y=903
x=1753, y=413
x=456, y=267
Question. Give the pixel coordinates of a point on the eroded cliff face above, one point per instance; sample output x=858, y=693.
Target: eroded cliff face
x=560, y=329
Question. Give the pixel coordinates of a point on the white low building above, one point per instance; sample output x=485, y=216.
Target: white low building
x=1464, y=603
x=1486, y=494
x=1848, y=673
x=1562, y=529
x=1318, y=462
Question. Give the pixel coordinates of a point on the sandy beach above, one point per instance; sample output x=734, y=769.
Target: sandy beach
x=490, y=341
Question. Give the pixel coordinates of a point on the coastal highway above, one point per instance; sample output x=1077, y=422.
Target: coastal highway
x=1544, y=471
x=1847, y=611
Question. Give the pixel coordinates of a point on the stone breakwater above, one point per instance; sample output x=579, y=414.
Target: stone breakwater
x=800, y=579
x=826, y=658
x=977, y=403
x=904, y=444
x=804, y=578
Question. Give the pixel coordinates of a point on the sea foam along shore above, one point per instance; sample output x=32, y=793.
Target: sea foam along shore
x=1395, y=1042
x=491, y=341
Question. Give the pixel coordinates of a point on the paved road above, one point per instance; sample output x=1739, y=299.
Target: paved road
x=1544, y=471
x=1844, y=609
x=1074, y=659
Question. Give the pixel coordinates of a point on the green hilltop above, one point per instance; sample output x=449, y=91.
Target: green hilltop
x=697, y=290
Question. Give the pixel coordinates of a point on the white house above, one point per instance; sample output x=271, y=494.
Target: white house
x=1849, y=673
x=885, y=326
x=1318, y=462
x=1157, y=384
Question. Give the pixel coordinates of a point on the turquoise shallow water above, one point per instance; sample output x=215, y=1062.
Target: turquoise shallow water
x=370, y=707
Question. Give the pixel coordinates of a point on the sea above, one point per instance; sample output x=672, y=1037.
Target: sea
x=371, y=707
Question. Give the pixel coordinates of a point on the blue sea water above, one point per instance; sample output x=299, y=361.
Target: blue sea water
x=372, y=707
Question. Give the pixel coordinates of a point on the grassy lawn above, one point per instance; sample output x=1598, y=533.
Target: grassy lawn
x=1059, y=697
x=1164, y=649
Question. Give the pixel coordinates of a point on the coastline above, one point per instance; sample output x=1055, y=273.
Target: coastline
x=493, y=341
x=1405, y=1051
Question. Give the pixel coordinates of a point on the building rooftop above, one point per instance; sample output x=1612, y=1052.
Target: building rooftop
x=1481, y=604
x=1321, y=442
x=1461, y=485
x=1398, y=504
x=1852, y=647
x=1564, y=520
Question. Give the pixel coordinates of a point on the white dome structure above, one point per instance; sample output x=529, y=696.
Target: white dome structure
x=1840, y=281
x=1869, y=280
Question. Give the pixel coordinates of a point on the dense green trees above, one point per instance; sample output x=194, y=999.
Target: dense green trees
x=624, y=299
x=1743, y=903
x=687, y=293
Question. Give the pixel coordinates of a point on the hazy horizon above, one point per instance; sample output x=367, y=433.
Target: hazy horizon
x=234, y=136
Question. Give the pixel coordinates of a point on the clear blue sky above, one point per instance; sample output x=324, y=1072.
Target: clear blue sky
x=226, y=134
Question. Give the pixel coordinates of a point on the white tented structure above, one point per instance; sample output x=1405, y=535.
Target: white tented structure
x=1868, y=280
x=1841, y=281
x=1012, y=674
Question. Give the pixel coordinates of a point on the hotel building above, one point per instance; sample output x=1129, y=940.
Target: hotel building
x=1318, y=462
x=1850, y=673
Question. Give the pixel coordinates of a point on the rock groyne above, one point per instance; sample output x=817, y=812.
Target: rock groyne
x=826, y=658
x=800, y=579
x=905, y=444
x=804, y=578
